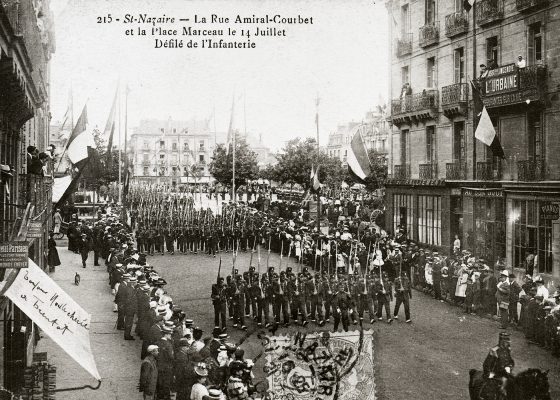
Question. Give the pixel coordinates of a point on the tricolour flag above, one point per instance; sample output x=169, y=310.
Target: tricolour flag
x=467, y=4
x=316, y=185
x=358, y=160
x=484, y=130
x=110, y=125
x=80, y=140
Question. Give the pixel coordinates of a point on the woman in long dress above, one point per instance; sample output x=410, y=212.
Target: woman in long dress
x=461, y=288
x=52, y=257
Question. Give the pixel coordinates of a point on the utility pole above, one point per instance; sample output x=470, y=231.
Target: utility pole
x=473, y=77
x=317, y=100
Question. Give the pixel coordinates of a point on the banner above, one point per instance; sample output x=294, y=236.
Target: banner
x=320, y=366
x=56, y=313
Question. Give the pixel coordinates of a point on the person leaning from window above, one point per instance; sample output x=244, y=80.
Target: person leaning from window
x=483, y=71
x=521, y=63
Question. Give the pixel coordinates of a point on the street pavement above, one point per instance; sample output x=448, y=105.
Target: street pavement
x=427, y=359
x=118, y=361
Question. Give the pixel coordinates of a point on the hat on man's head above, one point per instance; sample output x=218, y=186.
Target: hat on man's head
x=167, y=329
x=152, y=348
x=213, y=394
x=201, y=369
x=223, y=336
x=216, y=332
x=505, y=273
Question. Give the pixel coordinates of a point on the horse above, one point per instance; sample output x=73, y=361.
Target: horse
x=527, y=385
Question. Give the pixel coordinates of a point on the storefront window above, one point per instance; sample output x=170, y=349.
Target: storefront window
x=429, y=220
x=489, y=228
x=403, y=207
x=532, y=237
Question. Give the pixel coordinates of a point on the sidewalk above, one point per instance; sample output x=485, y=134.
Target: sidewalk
x=118, y=361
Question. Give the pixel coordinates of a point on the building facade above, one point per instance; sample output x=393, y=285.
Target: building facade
x=26, y=46
x=172, y=152
x=444, y=182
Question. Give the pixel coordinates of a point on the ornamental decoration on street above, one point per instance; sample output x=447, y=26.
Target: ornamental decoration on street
x=320, y=366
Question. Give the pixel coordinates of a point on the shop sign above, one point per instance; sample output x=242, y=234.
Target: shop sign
x=483, y=193
x=14, y=255
x=501, y=80
x=35, y=230
x=549, y=211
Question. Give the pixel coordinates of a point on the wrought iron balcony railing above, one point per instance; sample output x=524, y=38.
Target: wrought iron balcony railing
x=456, y=171
x=489, y=11
x=454, y=94
x=404, y=45
x=488, y=171
x=526, y=5
x=429, y=34
x=456, y=24
x=428, y=171
x=401, y=171
x=530, y=170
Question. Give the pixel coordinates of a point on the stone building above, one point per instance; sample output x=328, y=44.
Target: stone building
x=26, y=46
x=444, y=181
x=172, y=152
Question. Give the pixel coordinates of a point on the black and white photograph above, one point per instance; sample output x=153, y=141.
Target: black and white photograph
x=279, y=199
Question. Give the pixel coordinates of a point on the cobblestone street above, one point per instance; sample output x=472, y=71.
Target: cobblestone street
x=428, y=359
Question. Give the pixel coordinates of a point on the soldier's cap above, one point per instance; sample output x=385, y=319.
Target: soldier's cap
x=142, y=281
x=230, y=347
x=189, y=322
x=504, y=336
x=184, y=341
x=539, y=279
x=198, y=329
x=118, y=265
x=146, y=288
x=162, y=310
x=222, y=347
x=126, y=275
x=169, y=324
x=216, y=332
x=167, y=329
x=176, y=309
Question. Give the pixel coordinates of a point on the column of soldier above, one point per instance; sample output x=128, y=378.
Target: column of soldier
x=184, y=358
x=324, y=276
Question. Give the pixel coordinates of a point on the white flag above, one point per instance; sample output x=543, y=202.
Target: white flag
x=56, y=313
x=485, y=131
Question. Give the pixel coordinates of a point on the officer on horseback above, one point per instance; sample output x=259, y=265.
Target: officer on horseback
x=499, y=363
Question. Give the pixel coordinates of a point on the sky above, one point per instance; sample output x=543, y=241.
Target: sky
x=341, y=58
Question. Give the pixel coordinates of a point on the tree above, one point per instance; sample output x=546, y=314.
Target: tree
x=297, y=158
x=246, y=167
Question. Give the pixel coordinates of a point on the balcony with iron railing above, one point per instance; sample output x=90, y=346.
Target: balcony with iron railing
x=456, y=24
x=489, y=11
x=428, y=171
x=415, y=107
x=456, y=171
x=529, y=5
x=37, y=190
x=454, y=99
x=404, y=45
x=488, y=171
x=429, y=34
x=530, y=170
x=401, y=171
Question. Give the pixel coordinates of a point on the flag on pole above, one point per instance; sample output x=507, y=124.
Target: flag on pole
x=358, y=162
x=467, y=4
x=484, y=130
x=311, y=176
x=316, y=184
x=80, y=140
x=110, y=125
x=230, y=133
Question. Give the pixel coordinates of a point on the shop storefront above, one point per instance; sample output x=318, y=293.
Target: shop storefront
x=533, y=233
x=484, y=222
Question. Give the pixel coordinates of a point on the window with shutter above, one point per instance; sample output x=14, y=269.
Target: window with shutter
x=431, y=68
x=459, y=65
x=535, y=44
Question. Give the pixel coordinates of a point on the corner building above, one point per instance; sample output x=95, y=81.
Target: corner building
x=442, y=180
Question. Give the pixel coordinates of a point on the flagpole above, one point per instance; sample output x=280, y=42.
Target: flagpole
x=71, y=109
x=233, y=170
x=474, y=75
x=317, y=170
x=120, y=151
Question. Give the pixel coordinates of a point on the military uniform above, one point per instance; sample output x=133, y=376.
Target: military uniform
x=219, y=295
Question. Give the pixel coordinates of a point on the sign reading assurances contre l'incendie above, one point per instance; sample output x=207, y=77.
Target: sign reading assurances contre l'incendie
x=503, y=79
x=14, y=255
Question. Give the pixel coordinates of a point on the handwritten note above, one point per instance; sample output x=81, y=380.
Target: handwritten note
x=56, y=313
